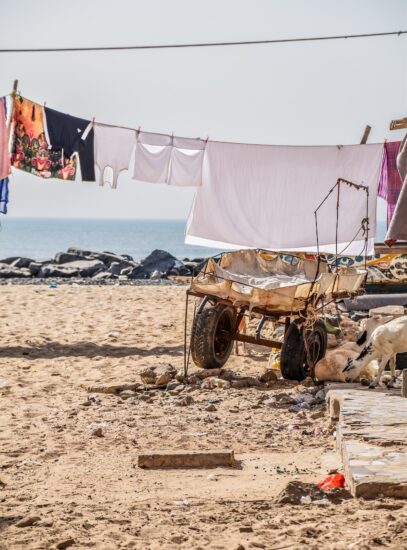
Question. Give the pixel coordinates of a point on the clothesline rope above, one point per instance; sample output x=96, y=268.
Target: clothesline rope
x=205, y=140
x=201, y=44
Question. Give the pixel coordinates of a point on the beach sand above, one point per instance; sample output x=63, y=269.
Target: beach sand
x=83, y=491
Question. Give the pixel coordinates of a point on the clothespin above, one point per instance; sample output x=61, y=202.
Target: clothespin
x=172, y=139
x=93, y=121
x=398, y=124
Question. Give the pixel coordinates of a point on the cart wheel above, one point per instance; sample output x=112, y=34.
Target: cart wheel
x=293, y=358
x=212, y=336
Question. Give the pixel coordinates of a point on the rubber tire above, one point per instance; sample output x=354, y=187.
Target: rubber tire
x=203, y=336
x=293, y=357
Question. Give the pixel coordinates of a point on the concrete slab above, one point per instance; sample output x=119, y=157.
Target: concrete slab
x=187, y=459
x=371, y=437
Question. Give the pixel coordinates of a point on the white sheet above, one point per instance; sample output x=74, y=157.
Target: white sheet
x=186, y=168
x=152, y=163
x=264, y=196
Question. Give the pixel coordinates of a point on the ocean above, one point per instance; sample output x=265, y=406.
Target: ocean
x=41, y=238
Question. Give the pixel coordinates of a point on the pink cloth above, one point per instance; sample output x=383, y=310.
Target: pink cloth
x=5, y=167
x=390, y=181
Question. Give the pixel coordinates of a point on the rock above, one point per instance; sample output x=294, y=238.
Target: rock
x=161, y=261
x=80, y=251
x=178, y=389
x=246, y=382
x=10, y=272
x=317, y=415
x=308, y=382
x=80, y=268
x=320, y=396
x=125, y=394
x=158, y=375
x=109, y=257
x=213, y=382
x=126, y=271
x=145, y=397
x=268, y=376
x=54, y=270
x=113, y=388
x=284, y=399
x=206, y=373
x=297, y=492
x=9, y=261
x=180, y=375
x=22, y=262
x=65, y=544
x=28, y=521
x=194, y=380
x=35, y=268
x=86, y=268
x=117, y=268
x=102, y=276
x=185, y=401
x=172, y=385
x=210, y=408
x=226, y=374
x=66, y=257
x=97, y=432
x=155, y=275
x=304, y=398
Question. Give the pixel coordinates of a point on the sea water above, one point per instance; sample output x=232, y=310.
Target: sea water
x=42, y=238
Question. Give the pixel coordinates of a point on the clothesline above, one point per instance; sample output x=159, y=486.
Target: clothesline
x=202, y=44
x=139, y=129
x=248, y=195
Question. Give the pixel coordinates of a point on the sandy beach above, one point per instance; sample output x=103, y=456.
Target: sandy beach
x=63, y=486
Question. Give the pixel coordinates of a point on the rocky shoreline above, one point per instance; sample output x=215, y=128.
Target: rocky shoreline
x=81, y=266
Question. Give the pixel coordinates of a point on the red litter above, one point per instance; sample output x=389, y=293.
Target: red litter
x=332, y=482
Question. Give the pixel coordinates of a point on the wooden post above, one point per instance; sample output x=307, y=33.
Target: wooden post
x=10, y=122
x=365, y=135
x=15, y=85
x=404, y=383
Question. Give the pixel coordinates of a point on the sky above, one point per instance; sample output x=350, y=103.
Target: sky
x=300, y=93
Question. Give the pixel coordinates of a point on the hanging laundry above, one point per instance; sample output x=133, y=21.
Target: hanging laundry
x=5, y=166
x=186, y=167
x=397, y=230
x=30, y=150
x=262, y=196
x=390, y=182
x=4, y=195
x=113, y=149
x=187, y=162
x=152, y=158
x=68, y=135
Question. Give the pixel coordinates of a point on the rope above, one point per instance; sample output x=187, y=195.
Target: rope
x=201, y=44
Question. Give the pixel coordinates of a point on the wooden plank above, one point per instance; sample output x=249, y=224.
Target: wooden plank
x=187, y=459
x=399, y=248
